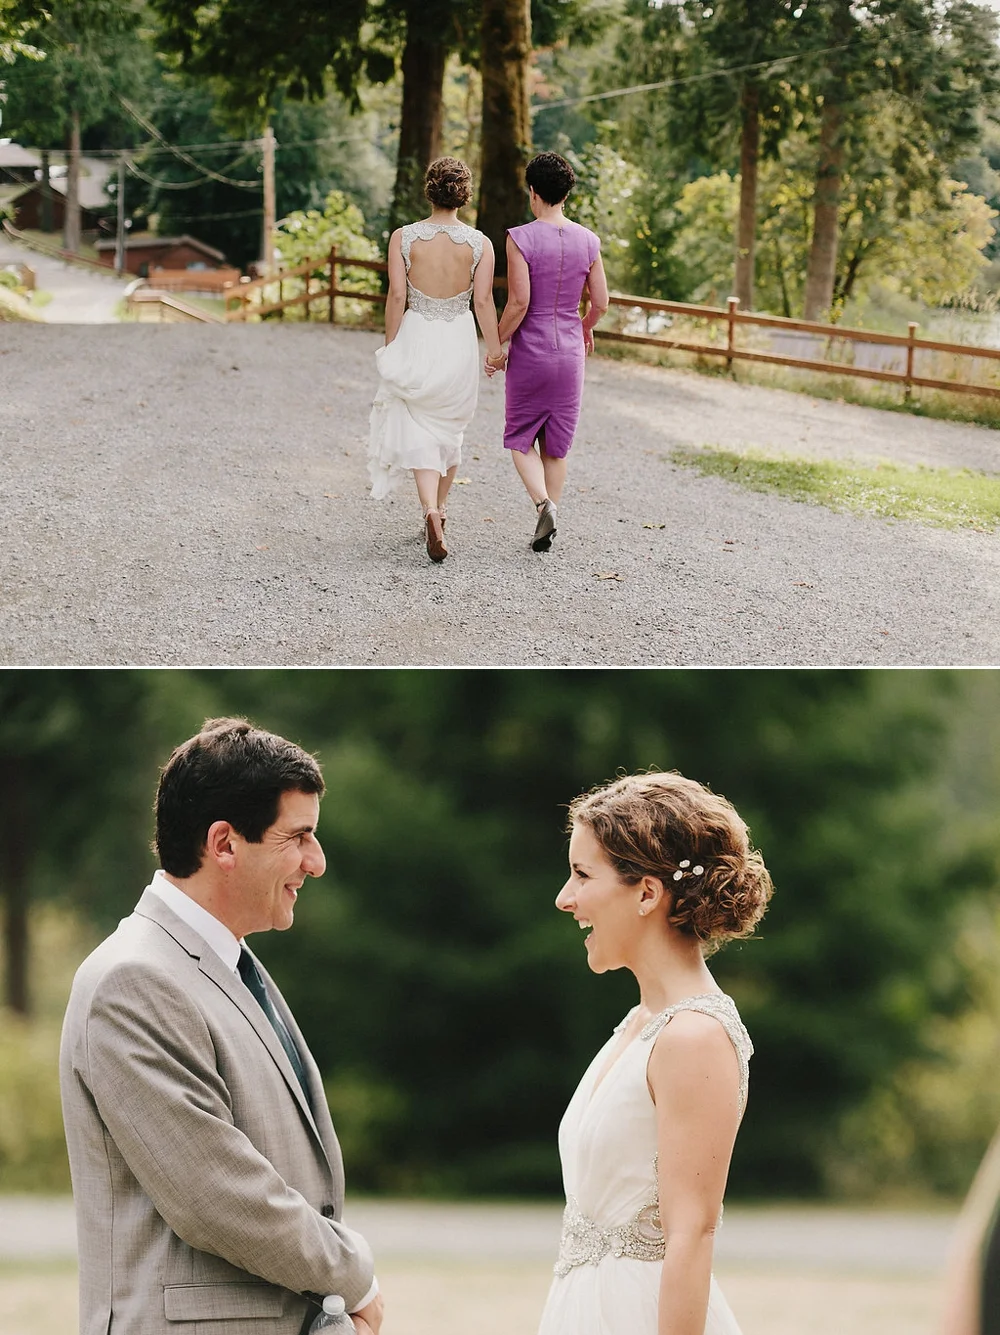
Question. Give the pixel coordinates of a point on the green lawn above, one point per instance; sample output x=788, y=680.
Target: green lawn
x=945, y=497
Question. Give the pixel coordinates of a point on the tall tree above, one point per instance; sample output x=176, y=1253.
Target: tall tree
x=734, y=93
x=94, y=53
x=505, y=44
x=941, y=59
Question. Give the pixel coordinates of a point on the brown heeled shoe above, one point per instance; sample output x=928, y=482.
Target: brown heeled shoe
x=436, y=549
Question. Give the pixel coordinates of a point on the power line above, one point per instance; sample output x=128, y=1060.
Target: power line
x=207, y=172
x=774, y=64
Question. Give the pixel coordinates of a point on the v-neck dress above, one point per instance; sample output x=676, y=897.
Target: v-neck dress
x=607, y=1277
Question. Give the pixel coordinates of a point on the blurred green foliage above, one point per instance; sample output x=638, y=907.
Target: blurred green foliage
x=450, y=1006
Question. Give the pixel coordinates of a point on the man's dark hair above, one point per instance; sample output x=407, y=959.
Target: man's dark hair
x=550, y=176
x=230, y=771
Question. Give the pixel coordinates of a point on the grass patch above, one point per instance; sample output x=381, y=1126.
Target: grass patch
x=944, y=497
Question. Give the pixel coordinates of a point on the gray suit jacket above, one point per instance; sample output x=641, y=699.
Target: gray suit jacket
x=208, y=1194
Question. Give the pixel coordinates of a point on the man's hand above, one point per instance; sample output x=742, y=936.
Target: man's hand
x=369, y=1318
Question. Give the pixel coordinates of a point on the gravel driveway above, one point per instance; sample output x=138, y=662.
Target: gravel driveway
x=189, y=494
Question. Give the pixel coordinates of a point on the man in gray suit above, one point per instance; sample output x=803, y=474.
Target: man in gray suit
x=208, y=1180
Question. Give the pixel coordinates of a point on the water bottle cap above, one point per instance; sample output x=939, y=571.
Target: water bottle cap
x=334, y=1305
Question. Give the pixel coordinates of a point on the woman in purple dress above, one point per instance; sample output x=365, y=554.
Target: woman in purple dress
x=552, y=264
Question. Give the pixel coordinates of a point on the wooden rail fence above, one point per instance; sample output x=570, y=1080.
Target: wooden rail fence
x=246, y=300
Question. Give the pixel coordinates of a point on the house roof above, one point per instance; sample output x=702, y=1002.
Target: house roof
x=13, y=155
x=146, y=241
x=92, y=196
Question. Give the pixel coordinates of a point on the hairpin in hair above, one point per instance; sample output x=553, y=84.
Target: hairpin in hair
x=683, y=866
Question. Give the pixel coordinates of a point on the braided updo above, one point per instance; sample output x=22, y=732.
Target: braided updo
x=448, y=183
x=663, y=824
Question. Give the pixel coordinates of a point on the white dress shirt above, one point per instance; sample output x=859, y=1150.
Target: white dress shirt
x=217, y=935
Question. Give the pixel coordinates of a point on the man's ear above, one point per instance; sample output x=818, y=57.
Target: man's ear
x=220, y=847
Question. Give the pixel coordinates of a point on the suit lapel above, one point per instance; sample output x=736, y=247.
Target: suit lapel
x=152, y=906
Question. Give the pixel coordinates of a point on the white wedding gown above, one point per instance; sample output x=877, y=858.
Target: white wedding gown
x=428, y=375
x=608, y=1273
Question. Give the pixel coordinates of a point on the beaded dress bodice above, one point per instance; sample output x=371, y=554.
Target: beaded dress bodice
x=440, y=308
x=608, y=1146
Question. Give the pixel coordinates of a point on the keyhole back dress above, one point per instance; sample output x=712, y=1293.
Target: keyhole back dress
x=607, y=1277
x=428, y=375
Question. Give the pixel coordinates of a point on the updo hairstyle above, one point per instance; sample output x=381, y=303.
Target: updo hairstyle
x=550, y=176
x=649, y=824
x=448, y=183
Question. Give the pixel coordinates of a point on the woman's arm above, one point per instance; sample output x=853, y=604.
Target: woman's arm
x=694, y=1079
x=395, y=303
x=596, y=291
x=482, y=299
x=963, y=1277
x=518, y=291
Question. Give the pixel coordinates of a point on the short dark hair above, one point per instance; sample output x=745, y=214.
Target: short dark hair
x=229, y=771
x=550, y=176
x=448, y=183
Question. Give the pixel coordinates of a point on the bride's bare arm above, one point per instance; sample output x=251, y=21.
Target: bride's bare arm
x=694, y=1079
x=518, y=291
x=395, y=303
x=482, y=299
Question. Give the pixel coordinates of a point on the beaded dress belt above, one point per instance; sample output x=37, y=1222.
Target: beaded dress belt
x=585, y=1242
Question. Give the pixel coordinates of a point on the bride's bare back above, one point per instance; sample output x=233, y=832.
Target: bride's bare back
x=441, y=267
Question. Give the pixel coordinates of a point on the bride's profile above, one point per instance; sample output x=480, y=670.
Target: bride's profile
x=429, y=366
x=662, y=873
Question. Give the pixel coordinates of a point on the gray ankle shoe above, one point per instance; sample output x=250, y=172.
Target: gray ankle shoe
x=545, y=529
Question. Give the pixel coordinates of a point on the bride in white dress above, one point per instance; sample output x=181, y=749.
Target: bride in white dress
x=661, y=874
x=429, y=367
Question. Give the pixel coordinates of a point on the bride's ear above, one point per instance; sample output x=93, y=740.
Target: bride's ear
x=652, y=895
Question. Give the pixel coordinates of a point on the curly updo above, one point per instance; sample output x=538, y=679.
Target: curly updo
x=448, y=183
x=661, y=824
x=550, y=176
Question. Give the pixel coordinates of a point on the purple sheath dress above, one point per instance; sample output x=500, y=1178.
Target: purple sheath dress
x=546, y=355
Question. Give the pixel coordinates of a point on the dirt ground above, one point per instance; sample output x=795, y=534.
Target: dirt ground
x=456, y=1298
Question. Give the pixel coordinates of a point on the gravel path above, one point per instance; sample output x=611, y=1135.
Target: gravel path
x=78, y=295
x=189, y=494
x=801, y=1238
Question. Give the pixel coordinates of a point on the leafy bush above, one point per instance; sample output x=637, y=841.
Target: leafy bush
x=309, y=234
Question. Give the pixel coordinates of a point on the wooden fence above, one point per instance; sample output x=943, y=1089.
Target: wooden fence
x=319, y=282
x=310, y=282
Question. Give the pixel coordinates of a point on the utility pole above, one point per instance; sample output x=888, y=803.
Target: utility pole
x=120, y=229
x=267, y=246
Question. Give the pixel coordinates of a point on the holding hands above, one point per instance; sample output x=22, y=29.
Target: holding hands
x=494, y=364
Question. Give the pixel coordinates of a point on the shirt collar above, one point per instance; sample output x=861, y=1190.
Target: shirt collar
x=215, y=933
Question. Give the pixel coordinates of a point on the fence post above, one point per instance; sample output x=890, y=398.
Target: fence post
x=731, y=306
x=911, y=330
x=308, y=281
x=333, y=284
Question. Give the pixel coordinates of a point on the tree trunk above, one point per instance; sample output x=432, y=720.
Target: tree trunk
x=506, y=138
x=13, y=889
x=48, y=225
x=419, y=125
x=822, y=268
x=746, y=231
x=71, y=228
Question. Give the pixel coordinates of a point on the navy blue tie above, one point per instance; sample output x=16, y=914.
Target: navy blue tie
x=250, y=974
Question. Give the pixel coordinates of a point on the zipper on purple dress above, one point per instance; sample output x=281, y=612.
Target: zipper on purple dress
x=555, y=309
